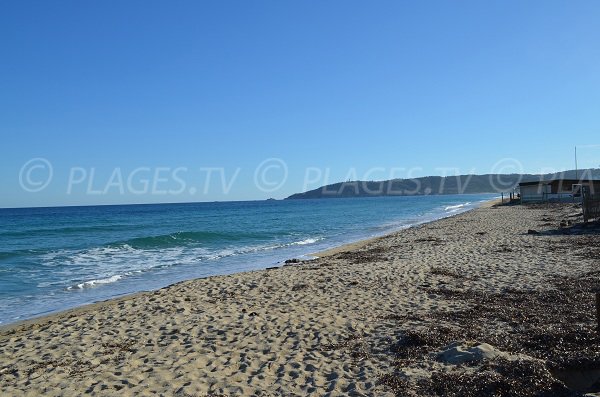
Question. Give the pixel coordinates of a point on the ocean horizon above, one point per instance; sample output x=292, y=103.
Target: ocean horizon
x=56, y=258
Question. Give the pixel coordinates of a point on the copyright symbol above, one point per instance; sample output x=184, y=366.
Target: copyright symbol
x=271, y=174
x=504, y=167
x=35, y=175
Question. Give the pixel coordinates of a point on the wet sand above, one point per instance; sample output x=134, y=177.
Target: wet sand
x=333, y=326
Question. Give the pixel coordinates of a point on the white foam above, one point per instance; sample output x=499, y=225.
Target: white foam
x=307, y=241
x=454, y=208
x=100, y=281
x=124, y=261
x=258, y=248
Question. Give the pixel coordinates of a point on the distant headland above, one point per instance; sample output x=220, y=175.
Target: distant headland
x=430, y=185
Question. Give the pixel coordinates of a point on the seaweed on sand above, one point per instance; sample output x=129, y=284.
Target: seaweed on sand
x=364, y=256
x=555, y=327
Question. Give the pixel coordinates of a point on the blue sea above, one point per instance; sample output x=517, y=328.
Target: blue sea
x=57, y=258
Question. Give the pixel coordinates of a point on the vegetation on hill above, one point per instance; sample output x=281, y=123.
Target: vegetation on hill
x=460, y=184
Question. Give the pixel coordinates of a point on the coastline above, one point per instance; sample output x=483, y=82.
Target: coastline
x=335, y=248
x=363, y=242
x=324, y=325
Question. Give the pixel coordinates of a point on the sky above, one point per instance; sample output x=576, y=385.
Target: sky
x=154, y=101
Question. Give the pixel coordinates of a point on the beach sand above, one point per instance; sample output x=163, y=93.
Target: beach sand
x=333, y=326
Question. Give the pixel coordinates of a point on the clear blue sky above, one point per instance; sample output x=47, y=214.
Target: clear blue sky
x=330, y=84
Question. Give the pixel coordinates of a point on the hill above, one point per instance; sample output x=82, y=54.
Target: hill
x=460, y=184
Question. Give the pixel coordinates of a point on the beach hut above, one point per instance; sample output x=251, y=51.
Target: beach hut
x=557, y=189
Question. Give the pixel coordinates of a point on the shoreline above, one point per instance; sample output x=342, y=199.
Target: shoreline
x=304, y=258
x=336, y=325
x=363, y=242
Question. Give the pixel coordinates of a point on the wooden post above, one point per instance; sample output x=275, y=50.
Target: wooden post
x=598, y=310
x=502, y=197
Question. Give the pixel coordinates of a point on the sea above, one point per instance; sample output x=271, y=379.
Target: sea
x=57, y=258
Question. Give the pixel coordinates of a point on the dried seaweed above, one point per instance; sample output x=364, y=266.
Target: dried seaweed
x=354, y=345
x=498, y=378
x=555, y=326
x=364, y=256
x=414, y=344
x=434, y=241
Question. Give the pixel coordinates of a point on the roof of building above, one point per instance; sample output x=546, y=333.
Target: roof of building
x=563, y=180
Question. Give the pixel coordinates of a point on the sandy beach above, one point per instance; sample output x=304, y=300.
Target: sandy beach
x=449, y=307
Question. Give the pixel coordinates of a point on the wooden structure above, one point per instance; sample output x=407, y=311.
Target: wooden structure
x=591, y=206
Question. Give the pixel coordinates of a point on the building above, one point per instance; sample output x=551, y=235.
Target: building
x=557, y=190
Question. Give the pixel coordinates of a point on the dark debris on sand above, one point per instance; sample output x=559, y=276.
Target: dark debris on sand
x=497, y=378
x=500, y=378
x=364, y=256
x=556, y=327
